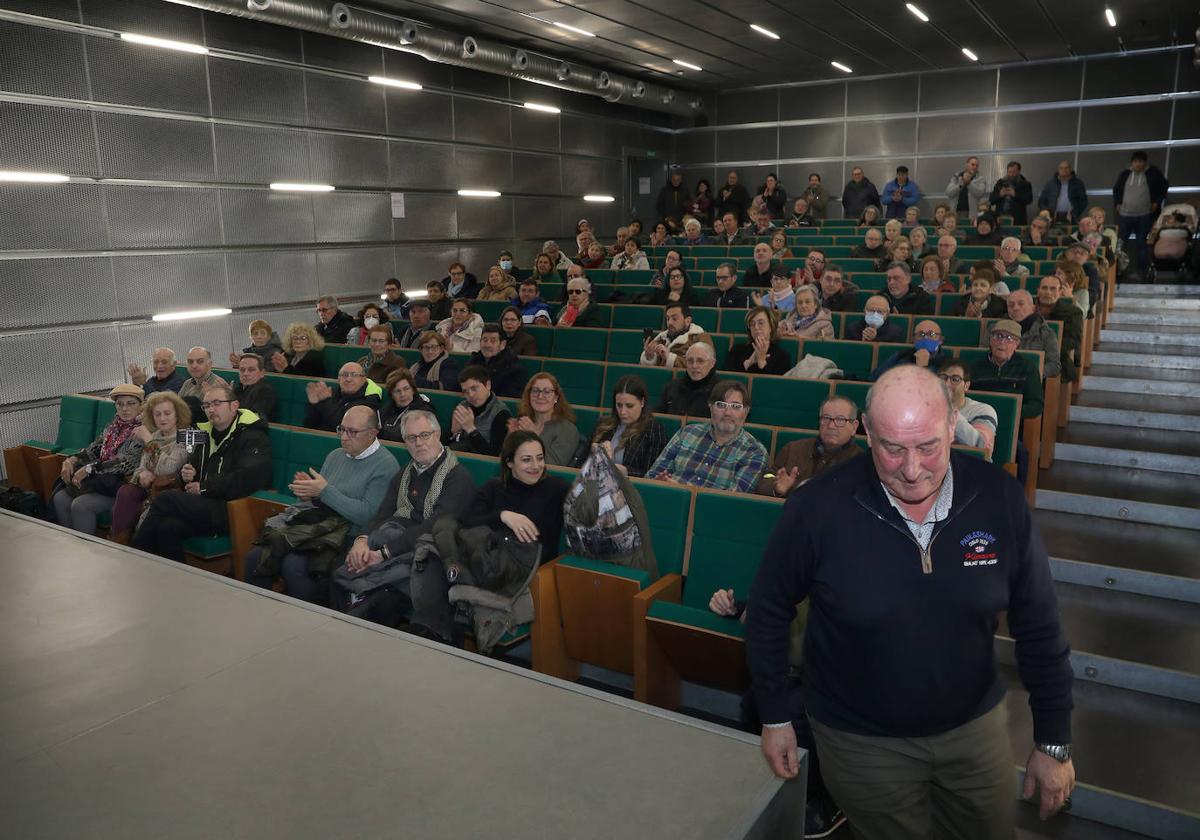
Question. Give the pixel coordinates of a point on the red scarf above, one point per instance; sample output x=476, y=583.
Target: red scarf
x=115, y=434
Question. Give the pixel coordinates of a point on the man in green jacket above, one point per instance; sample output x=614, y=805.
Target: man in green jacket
x=1004, y=371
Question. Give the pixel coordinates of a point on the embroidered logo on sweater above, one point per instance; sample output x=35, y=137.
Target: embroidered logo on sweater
x=978, y=545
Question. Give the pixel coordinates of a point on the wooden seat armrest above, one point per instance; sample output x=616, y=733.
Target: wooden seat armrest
x=246, y=518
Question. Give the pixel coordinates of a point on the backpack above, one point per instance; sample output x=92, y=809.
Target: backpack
x=22, y=501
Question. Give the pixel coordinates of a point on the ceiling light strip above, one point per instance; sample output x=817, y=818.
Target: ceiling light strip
x=285, y=186
x=479, y=193
x=188, y=316
x=762, y=30
x=841, y=67
x=575, y=29
x=924, y=18
x=687, y=65
x=163, y=43
x=969, y=54
x=33, y=177
x=537, y=106
x=396, y=83
x=599, y=199
x=1110, y=16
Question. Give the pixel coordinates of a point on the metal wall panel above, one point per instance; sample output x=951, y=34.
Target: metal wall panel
x=154, y=149
x=747, y=106
x=480, y=218
x=1099, y=169
x=482, y=168
x=144, y=217
x=1041, y=168
x=481, y=122
x=353, y=217
x=473, y=81
x=261, y=155
x=535, y=217
x=884, y=137
x=146, y=17
x=813, y=102
x=27, y=368
x=1188, y=75
x=960, y=89
x=535, y=130
x=882, y=96
x=410, y=66
x=225, y=32
x=932, y=174
x=696, y=146
x=245, y=90
x=169, y=283
x=354, y=271
x=57, y=291
x=262, y=217
x=138, y=341
x=344, y=103
x=47, y=138
x=420, y=114
x=266, y=277
x=1187, y=120
x=794, y=176
x=1129, y=75
x=59, y=216
x=348, y=161
x=416, y=265
x=415, y=165
x=587, y=136
x=132, y=74
x=809, y=141
x=56, y=9
x=427, y=217
x=969, y=133
x=42, y=61
x=583, y=176
x=481, y=256
x=341, y=54
x=1185, y=165
x=748, y=144
x=537, y=174
x=1040, y=83
x=1128, y=123
x=1052, y=127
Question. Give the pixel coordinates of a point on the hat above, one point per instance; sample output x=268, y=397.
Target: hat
x=990, y=218
x=1006, y=325
x=1080, y=245
x=127, y=391
x=420, y=302
x=583, y=222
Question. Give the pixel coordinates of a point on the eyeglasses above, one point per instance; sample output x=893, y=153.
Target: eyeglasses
x=350, y=375
x=324, y=309
x=952, y=378
x=724, y=277
x=574, y=291
x=126, y=403
x=836, y=422
x=541, y=392
x=1004, y=338
x=209, y=405
x=348, y=432
x=816, y=260
x=729, y=406
x=299, y=338
x=420, y=437
x=928, y=334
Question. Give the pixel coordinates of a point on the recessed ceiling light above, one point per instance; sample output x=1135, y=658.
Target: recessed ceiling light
x=479, y=193
x=536, y=106
x=599, y=199
x=687, y=65
x=924, y=17
x=163, y=43
x=1110, y=16
x=970, y=54
x=33, y=177
x=763, y=31
x=575, y=29
x=187, y=316
x=286, y=186
x=397, y=83
x=841, y=67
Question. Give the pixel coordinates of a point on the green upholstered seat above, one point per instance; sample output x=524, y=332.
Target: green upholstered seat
x=702, y=618
x=854, y=358
x=783, y=401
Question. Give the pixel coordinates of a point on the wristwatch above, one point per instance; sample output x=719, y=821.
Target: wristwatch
x=1059, y=752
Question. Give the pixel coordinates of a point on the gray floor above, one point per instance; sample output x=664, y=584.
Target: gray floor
x=1139, y=485
x=144, y=699
x=1112, y=542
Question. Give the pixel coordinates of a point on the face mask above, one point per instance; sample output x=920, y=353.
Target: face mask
x=369, y=322
x=506, y=265
x=930, y=344
x=875, y=319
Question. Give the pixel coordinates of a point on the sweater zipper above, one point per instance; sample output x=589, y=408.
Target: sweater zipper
x=926, y=553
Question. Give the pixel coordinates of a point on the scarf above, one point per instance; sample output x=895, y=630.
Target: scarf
x=433, y=372
x=803, y=323
x=569, y=315
x=404, y=508
x=117, y=432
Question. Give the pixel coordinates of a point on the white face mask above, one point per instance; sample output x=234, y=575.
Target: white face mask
x=506, y=265
x=369, y=322
x=875, y=319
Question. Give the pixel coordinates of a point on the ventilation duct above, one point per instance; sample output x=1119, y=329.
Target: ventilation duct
x=345, y=21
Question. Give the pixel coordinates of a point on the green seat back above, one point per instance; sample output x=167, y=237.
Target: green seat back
x=581, y=343
x=721, y=345
x=292, y=398
x=281, y=463
x=399, y=452
x=637, y=317
x=710, y=263
x=709, y=251
x=76, y=422
x=702, y=619
x=208, y=547
x=625, y=346
x=856, y=391
x=544, y=336
x=739, y=251
x=887, y=349
x=853, y=357
x=489, y=310
x=707, y=317
x=106, y=410
x=601, y=275
x=582, y=382
x=782, y=401
x=733, y=321
x=970, y=253
x=656, y=378
x=671, y=422
x=667, y=507
x=856, y=265
x=443, y=404
x=786, y=436
x=763, y=434
x=532, y=364
x=230, y=376
x=861, y=298
x=1008, y=423
x=585, y=420
x=481, y=468
x=723, y=557
x=308, y=448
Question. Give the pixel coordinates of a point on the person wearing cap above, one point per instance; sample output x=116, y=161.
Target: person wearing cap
x=89, y=479
x=420, y=319
x=986, y=232
x=1005, y=371
x=899, y=194
x=674, y=197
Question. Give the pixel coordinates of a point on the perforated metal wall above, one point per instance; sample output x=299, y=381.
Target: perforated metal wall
x=66, y=290
x=169, y=283
x=78, y=359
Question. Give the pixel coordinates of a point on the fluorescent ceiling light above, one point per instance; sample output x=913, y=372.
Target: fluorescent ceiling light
x=970, y=54
x=422, y=293
x=687, y=65
x=33, y=177
x=163, y=43
x=537, y=106
x=195, y=313
x=479, y=193
x=841, y=67
x=575, y=29
x=763, y=31
x=600, y=199
x=398, y=83
x=924, y=17
x=284, y=186
x=1110, y=16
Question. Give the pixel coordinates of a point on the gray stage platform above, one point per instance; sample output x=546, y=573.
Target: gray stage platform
x=139, y=698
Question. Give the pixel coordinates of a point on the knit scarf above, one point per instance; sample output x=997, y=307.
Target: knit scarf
x=117, y=433
x=404, y=508
x=803, y=323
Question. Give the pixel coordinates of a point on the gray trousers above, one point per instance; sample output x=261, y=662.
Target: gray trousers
x=80, y=513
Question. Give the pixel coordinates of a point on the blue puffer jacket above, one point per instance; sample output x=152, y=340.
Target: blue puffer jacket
x=910, y=195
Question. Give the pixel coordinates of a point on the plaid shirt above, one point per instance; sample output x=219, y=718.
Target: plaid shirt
x=694, y=457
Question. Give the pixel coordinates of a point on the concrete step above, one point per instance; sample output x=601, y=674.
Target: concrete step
x=1158, y=337
x=1127, y=458
x=1141, y=290
x=1120, y=543
x=1117, y=318
x=1150, y=358
x=1151, y=378
x=1095, y=397
x=1164, y=304
x=1106, y=507
x=1117, y=430
x=1122, y=483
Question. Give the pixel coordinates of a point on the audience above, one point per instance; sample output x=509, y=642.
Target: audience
x=808, y=319
x=875, y=325
x=529, y=302
x=1004, y=370
x=918, y=237
x=774, y=197
x=507, y=374
x=545, y=411
x=380, y=361
x=631, y=257
x=401, y=397
x=927, y=350
x=947, y=247
x=899, y=250
x=500, y=285
x=801, y=460
x=252, y=389
x=334, y=324
x=370, y=316
x=976, y=421
x=719, y=454
x=1064, y=195
x=870, y=216
x=933, y=276
x=837, y=293
x=728, y=293
x=780, y=298
x=986, y=232
x=395, y=301
x=899, y=194
x=302, y=356
x=677, y=289
x=759, y=274
x=967, y=188
x=673, y=198
x=263, y=343
x=435, y=369
x=980, y=301
x=158, y=469
x=327, y=405
x=512, y=330
x=779, y=245
x=688, y=395
x=1035, y=332
x=666, y=349
x=420, y=321
x=814, y=268
x=733, y=200
x=165, y=378
x=1052, y=306
x=858, y=194
x=462, y=329
x=580, y=311
x=439, y=302
x=632, y=436
x=761, y=352
x=1138, y=195
x=903, y=295
x=480, y=422
x=817, y=196
x=872, y=246
x=801, y=214
x=460, y=283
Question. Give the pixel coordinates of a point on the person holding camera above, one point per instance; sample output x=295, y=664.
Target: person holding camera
x=899, y=194
x=1012, y=195
x=967, y=188
x=667, y=348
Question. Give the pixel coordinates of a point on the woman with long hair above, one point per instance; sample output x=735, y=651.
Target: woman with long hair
x=677, y=289
x=545, y=411
x=632, y=435
x=301, y=355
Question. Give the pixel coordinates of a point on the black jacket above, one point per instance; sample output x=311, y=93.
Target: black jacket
x=259, y=398
x=470, y=290
x=457, y=491
x=671, y=200
x=858, y=197
x=779, y=361
x=844, y=301
x=776, y=202
x=541, y=502
x=735, y=297
x=327, y=414
x=1154, y=180
x=508, y=374
x=916, y=301
x=411, y=334
x=312, y=363
x=238, y=463
x=752, y=278
x=337, y=329
x=996, y=307
x=890, y=333
x=1018, y=205
x=683, y=395
x=735, y=202
x=391, y=414
x=918, y=626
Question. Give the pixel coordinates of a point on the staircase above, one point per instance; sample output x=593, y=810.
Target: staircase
x=1120, y=512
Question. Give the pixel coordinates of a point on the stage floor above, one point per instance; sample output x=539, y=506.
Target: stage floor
x=140, y=698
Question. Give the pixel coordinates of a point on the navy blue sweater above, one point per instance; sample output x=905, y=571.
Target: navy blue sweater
x=890, y=651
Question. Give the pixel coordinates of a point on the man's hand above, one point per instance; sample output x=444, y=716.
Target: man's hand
x=998, y=264
x=1052, y=779
x=317, y=391
x=779, y=749
x=137, y=374
x=188, y=473
x=192, y=487
x=361, y=556
x=521, y=525
x=722, y=603
x=308, y=486
x=145, y=478
x=869, y=333
x=463, y=420
x=921, y=357
x=785, y=480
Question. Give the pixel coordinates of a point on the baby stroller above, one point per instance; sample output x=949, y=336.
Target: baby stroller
x=1172, y=242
